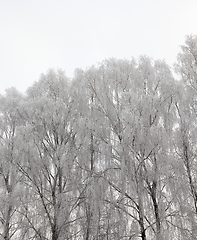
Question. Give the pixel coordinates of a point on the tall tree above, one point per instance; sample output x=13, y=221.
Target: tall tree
x=49, y=159
x=11, y=186
x=186, y=131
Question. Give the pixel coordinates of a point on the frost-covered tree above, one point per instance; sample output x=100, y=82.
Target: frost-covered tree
x=185, y=136
x=134, y=101
x=108, y=155
x=10, y=179
x=49, y=160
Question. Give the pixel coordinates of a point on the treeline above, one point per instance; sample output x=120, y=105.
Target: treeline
x=111, y=154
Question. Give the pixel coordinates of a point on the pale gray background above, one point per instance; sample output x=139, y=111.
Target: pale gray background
x=40, y=34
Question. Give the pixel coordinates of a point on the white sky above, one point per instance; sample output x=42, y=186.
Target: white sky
x=36, y=35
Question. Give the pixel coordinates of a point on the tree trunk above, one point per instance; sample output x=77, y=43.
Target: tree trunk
x=7, y=224
x=141, y=208
x=189, y=174
x=156, y=210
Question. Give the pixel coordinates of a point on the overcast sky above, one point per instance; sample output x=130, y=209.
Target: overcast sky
x=40, y=34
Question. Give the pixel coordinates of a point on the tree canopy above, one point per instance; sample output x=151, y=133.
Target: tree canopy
x=110, y=154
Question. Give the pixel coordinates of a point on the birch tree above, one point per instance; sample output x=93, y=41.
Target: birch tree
x=134, y=118
x=186, y=132
x=11, y=185
x=48, y=166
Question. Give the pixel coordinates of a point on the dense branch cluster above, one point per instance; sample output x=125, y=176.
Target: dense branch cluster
x=109, y=155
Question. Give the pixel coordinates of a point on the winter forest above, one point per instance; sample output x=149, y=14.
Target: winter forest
x=108, y=155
